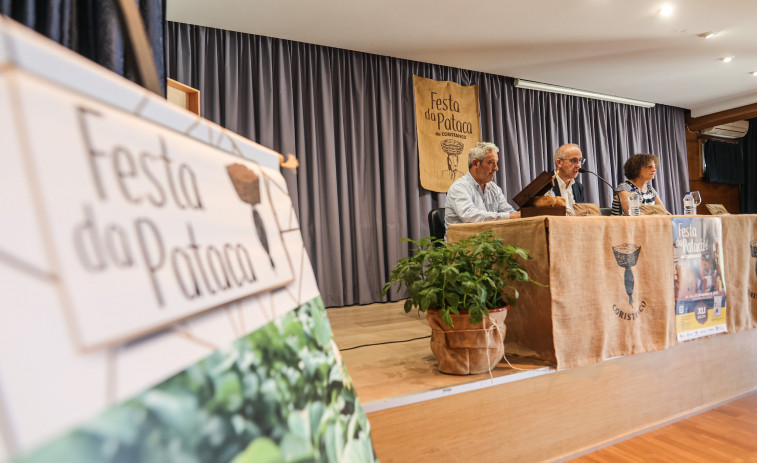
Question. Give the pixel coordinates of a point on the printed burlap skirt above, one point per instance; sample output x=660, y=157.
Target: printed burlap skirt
x=468, y=349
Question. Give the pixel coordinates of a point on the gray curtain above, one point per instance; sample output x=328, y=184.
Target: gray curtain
x=91, y=28
x=349, y=119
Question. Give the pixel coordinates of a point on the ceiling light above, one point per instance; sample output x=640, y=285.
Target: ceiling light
x=527, y=84
x=754, y=73
x=727, y=59
x=666, y=11
x=707, y=35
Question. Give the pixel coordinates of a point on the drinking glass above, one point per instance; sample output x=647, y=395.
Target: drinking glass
x=697, y=198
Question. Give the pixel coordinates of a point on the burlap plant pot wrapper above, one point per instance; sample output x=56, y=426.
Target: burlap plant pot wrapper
x=467, y=349
x=740, y=261
x=585, y=313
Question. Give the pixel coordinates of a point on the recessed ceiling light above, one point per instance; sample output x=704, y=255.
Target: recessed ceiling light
x=727, y=59
x=666, y=10
x=707, y=35
x=754, y=73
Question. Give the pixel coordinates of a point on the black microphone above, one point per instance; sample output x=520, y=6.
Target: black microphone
x=614, y=193
x=582, y=170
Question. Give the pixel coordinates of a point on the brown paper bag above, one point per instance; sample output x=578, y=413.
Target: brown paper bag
x=581, y=209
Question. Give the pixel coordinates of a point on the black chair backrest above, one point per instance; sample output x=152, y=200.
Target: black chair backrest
x=436, y=225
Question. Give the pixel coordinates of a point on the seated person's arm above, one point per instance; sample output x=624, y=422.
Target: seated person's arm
x=623, y=197
x=504, y=206
x=462, y=204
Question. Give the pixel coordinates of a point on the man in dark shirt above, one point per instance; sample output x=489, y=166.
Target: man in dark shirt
x=568, y=159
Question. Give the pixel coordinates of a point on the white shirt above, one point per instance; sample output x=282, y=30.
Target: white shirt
x=467, y=203
x=566, y=191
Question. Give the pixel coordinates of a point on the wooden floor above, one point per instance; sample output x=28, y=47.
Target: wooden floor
x=727, y=433
x=387, y=373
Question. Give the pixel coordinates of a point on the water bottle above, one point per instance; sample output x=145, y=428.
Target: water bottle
x=634, y=203
x=689, y=208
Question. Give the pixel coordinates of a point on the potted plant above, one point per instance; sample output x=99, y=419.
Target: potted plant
x=465, y=288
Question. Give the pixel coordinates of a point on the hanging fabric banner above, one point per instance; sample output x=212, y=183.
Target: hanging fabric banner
x=447, y=122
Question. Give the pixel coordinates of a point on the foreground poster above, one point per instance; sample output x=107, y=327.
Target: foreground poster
x=279, y=393
x=699, y=279
x=158, y=302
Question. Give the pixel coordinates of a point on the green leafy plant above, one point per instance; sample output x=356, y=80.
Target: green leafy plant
x=474, y=274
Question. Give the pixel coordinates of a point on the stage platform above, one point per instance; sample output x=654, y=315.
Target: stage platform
x=528, y=410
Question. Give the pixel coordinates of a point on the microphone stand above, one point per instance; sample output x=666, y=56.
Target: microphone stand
x=614, y=193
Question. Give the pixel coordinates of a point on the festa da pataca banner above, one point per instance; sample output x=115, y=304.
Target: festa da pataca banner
x=447, y=123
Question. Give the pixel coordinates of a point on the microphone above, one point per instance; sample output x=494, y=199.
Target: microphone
x=582, y=170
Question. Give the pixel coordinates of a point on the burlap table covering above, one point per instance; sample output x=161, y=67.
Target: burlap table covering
x=585, y=315
x=529, y=322
x=739, y=247
x=594, y=316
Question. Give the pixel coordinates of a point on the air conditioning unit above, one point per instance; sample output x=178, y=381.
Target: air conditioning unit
x=735, y=129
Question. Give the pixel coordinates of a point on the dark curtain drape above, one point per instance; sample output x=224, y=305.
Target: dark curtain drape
x=91, y=28
x=724, y=162
x=349, y=118
x=749, y=187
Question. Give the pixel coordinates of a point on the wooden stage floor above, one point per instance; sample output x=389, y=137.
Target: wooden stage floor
x=399, y=373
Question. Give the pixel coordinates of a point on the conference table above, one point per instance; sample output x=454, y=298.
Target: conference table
x=586, y=312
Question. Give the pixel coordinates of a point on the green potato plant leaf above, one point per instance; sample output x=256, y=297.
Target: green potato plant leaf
x=277, y=395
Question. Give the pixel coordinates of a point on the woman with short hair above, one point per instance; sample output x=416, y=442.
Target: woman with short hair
x=639, y=170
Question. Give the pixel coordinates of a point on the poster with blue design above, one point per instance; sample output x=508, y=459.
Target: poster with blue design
x=699, y=279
